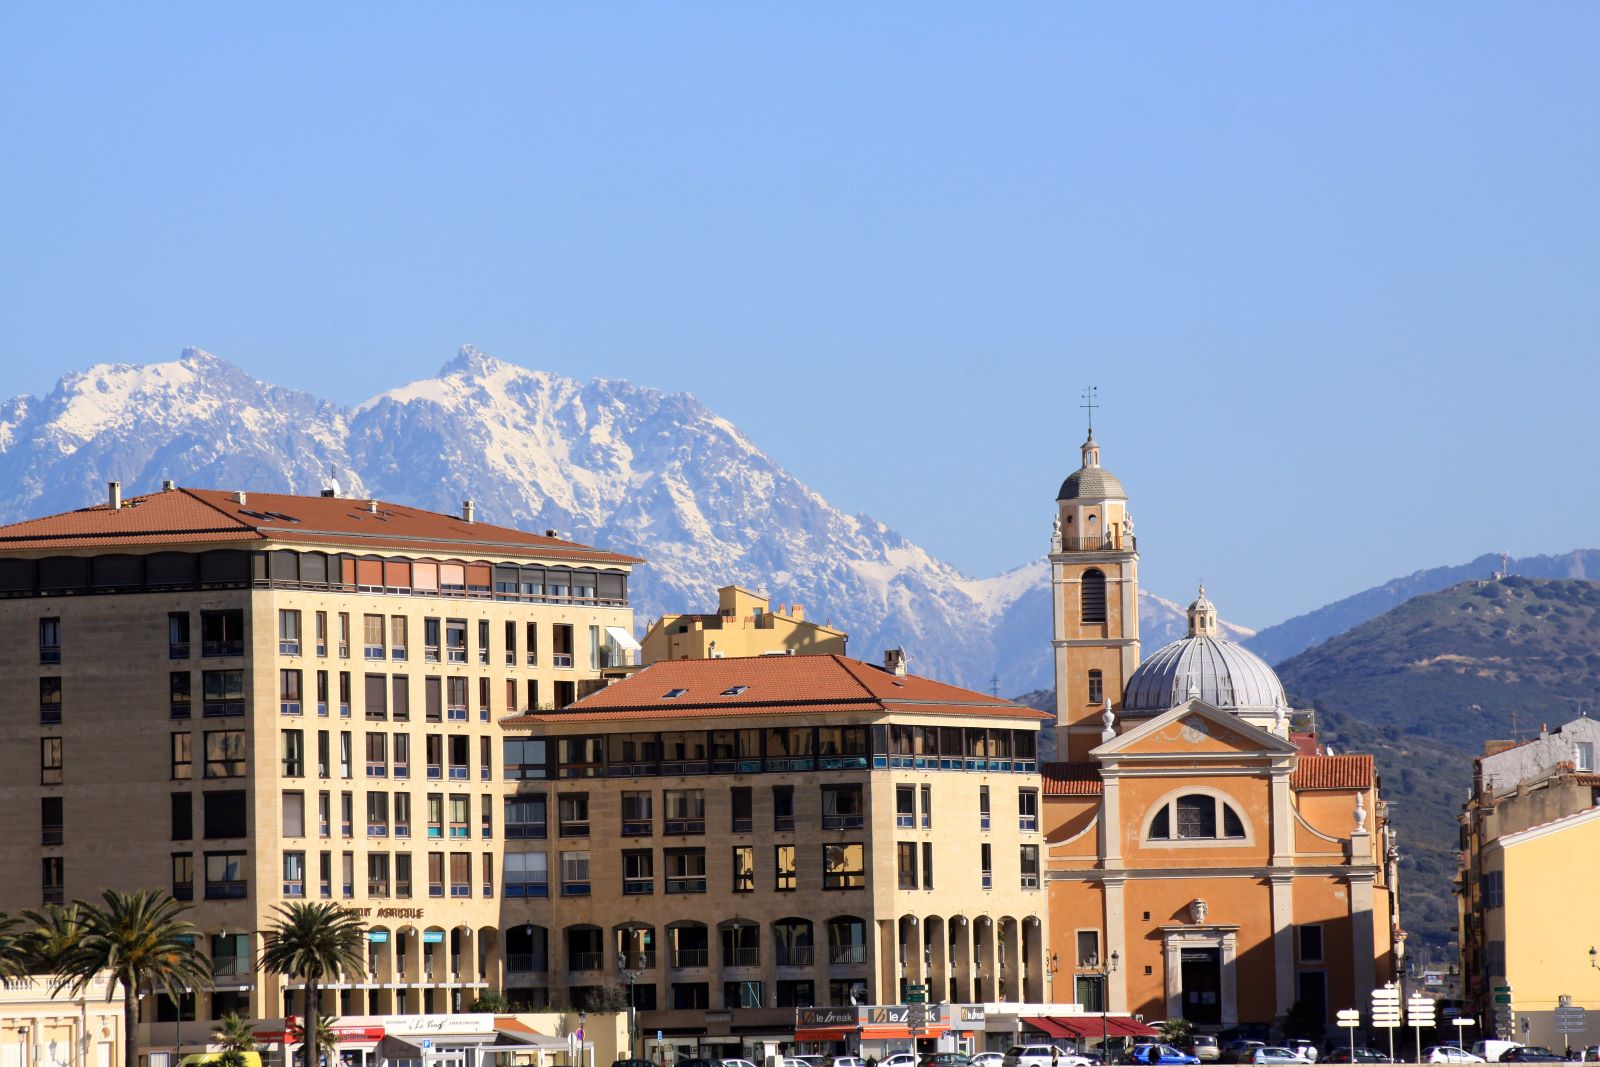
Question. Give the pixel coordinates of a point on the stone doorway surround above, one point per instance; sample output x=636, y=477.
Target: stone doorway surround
x=1224, y=938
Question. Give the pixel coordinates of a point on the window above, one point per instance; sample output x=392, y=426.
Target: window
x=183, y=875
x=461, y=874
x=1311, y=943
x=524, y=758
x=50, y=701
x=54, y=880
x=321, y=635
x=744, y=869
x=344, y=694
x=294, y=874
x=223, y=693
x=50, y=821
x=741, y=995
x=741, y=805
x=289, y=692
x=638, y=872
x=527, y=874
x=905, y=806
x=986, y=865
x=372, y=637
x=225, y=754
x=560, y=644
x=402, y=755
x=433, y=698
x=637, y=820
x=511, y=644
x=455, y=640
x=436, y=874
x=783, y=807
x=377, y=754
x=783, y=868
x=1492, y=887
x=686, y=870
x=1088, y=948
x=397, y=637
x=402, y=815
x=741, y=945
x=533, y=645
x=684, y=811
x=460, y=816
x=526, y=816
x=1028, y=810
x=377, y=814
x=796, y=993
x=344, y=635
x=927, y=807
x=1584, y=756
x=294, y=754
x=927, y=865
x=1311, y=990
x=294, y=814
x=1030, y=866
x=1097, y=690
x=50, y=639
x=844, y=866
x=983, y=807
x=847, y=941
x=456, y=699
x=288, y=633
x=182, y=757
x=906, y=864
x=180, y=688
x=690, y=996
x=347, y=815
x=224, y=814
x=375, y=693
x=400, y=697
x=573, y=814
x=430, y=640
x=483, y=640
x=1196, y=817
x=377, y=874
x=575, y=874
x=222, y=633
x=1094, y=596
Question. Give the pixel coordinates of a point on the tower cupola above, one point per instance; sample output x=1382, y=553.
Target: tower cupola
x=1202, y=616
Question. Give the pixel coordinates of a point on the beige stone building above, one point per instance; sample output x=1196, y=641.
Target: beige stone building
x=40, y=1030
x=744, y=625
x=258, y=698
x=738, y=838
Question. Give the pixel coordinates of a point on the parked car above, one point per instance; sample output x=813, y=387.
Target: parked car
x=699, y=1063
x=1590, y=1054
x=632, y=1063
x=836, y=1061
x=1492, y=1049
x=1341, y=1054
x=794, y=1061
x=1449, y=1054
x=1240, y=1050
x=987, y=1059
x=1277, y=1054
x=1031, y=1056
x=1302, y=1046
x=899, y=1059
x=1204, y=1047
x=944, y=1059
x=1155, y=1054
x=1531, y=1054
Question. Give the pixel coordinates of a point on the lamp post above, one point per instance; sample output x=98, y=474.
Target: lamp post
x=632, y=976
x=1105, y=1003
x=1052, y=964
x=1594, y=957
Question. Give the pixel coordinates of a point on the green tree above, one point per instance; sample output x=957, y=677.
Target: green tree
x=141, y=940
x=1177, y=1031
x=1302, y=1020
x=231, y=1057
x=313, y=942
x=15, y=958
x=327, y=1033
x=50, y=935
x=233, y=1034
x=491, y=1002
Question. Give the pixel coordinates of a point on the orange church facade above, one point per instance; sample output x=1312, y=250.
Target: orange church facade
x=1204, y=860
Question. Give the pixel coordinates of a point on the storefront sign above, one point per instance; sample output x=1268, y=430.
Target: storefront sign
x=972, y=1013
x=813, y=1017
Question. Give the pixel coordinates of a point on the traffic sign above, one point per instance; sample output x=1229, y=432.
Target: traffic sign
x=1570, y=1020
x=1420, y=1009
x=1502, y=998
x=916, y=998
x=1502, y=989
x=1350, y=1018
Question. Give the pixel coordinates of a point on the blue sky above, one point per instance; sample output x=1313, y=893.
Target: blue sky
x=1333, y=267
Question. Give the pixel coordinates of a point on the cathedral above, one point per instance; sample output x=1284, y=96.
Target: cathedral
x=1206, y=859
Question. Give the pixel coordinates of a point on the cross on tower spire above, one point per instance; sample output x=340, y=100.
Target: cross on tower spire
x=1091, y=393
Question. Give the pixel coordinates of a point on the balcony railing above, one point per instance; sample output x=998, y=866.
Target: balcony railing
x=585, y=961
x=1102, y=543
x=796, y=956
x=524, y=963
x=690, y=957
x=742, y=957
x=847, y=954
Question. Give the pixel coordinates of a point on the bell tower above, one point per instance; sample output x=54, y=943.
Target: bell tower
x=1094, y=581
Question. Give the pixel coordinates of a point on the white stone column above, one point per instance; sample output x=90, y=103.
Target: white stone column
x=1116, y=941
x=1361, y=934
x=1282, y=892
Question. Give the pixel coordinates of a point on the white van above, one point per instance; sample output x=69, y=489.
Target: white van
x=1492, y=1050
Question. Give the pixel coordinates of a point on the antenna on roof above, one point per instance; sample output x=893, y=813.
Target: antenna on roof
x=1091, y=393
x=994, y=685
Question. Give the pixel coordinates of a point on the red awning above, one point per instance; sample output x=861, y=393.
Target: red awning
x=1048, y=1026
x=882, y=1033
x=1127, y=1026
x=823, y=1033
x=1078, y=1026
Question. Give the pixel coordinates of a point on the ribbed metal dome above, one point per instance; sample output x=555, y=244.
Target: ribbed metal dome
x=1091, y=483
x=1223, y=674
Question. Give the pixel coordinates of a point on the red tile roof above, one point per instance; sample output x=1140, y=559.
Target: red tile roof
x=1332, y=772
x=1071, y=779
x=188, y=516
x=774, y=685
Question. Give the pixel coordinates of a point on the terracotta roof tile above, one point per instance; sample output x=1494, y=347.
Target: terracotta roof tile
x=774, y=685
x=1071, y=779
x=184, y=516
x=1332, y=772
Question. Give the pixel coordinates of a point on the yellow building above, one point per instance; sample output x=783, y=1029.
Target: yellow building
x=744, y=625
x=40, y=1030
x=1204, y=862
x=1530, y=835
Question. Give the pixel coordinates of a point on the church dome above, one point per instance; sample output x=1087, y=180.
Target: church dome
x=1221, y=673
x=1204, y=665
x=1091, y=483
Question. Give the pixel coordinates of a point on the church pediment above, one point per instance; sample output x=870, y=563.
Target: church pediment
x=1194, y=728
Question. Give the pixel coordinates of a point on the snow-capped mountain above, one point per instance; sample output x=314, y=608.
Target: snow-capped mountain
x=605, y=462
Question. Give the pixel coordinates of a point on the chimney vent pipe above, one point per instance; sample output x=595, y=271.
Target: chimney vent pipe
x=466, y=511
x=168, y=485
x=114, y=495
x=240, y=498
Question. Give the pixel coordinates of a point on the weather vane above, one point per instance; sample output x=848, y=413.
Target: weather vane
x=1090, y=394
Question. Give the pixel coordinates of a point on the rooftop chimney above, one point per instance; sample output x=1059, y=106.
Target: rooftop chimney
x=330, y=492
x=549, y=533
x=466, y=511
x=894, y=661
x=239, y=497
x=797, y=613
x=168, y=485
x=114, y=495
x=372, y=506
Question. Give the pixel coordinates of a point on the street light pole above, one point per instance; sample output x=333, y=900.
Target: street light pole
x=633, y=1019
x=1105, y=1005
x=1051, y=965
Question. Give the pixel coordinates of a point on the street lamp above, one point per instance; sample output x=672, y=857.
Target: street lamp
x=1105, y=1004
x=632, y=976
x=1594, y=957
x=1052, y=964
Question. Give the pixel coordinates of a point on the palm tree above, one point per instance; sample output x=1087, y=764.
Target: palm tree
x=141, y=940
x=327, y=1033
x=49, y=935
x=14, y=956
x=233, y=1034
x=312, y=942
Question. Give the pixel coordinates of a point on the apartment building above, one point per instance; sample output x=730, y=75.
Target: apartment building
x=254, y=698
x=744, y=624
x=732, y=839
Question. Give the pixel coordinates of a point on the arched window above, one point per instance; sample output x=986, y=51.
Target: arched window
x=1097, y=689
x=1196, y=817
x=1094, y=596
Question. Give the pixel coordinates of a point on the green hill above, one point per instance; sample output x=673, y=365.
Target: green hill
x=1425, y=684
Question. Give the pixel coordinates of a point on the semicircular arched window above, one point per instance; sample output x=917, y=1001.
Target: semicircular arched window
x=1196, y=817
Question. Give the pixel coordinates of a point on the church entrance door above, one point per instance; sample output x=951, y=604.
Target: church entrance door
x=1202, y=986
